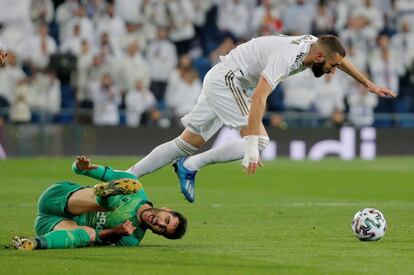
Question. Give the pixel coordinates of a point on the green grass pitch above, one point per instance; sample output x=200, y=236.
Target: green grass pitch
x=290, y=218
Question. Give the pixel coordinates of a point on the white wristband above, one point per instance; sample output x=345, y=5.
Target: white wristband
x=252, y=144
x=251, y=150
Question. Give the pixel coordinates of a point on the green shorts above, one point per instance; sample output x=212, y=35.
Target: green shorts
x=52, y=204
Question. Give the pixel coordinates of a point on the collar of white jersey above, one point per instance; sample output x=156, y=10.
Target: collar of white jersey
x=298, y=66
x=306, y=51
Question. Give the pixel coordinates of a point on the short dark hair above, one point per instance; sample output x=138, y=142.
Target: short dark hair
x=180, y=229
x=332, y=44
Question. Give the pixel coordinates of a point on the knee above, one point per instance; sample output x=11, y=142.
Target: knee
x=263, y=142
x=187, y=145
x=91, y=233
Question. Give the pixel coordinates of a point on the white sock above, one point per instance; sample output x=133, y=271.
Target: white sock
x=162, y=155
x=230, y=151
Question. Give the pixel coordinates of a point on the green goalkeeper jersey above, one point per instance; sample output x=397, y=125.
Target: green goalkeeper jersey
x=127, y=209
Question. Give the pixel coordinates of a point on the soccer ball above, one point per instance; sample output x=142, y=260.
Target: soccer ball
x=369, y=224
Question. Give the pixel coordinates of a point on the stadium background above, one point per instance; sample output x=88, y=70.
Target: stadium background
x=137, y=64
x=68, y=62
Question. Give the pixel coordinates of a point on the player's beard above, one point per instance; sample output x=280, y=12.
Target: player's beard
x=317, y=69
x=146, y=213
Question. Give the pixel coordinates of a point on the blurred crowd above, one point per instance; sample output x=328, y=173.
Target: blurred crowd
x=141, y=62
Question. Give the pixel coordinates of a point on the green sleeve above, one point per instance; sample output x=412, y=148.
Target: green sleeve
x=103, y=173
x=128, y=241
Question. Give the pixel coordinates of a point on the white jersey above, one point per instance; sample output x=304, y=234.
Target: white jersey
x=226, y=93
x=273, y=57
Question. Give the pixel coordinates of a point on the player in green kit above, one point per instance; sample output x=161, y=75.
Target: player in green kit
x=116, y=211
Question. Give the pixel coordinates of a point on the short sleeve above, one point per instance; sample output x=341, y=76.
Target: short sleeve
x=276, y=70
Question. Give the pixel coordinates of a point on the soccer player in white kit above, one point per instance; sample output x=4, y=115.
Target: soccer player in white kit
x=234, y=94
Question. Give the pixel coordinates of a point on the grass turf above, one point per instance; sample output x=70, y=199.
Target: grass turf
x=290, y=218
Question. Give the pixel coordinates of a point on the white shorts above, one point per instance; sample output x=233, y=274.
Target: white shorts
x=223, y=101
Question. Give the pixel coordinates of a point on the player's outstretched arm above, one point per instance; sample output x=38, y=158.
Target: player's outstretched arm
x=257, y=110
x=84, y=166
x=353, y=71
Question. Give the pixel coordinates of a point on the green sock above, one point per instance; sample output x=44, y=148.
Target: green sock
x=103, y=173
x=109, y=203
x=63, y=239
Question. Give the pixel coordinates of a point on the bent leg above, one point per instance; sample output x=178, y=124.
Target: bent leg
x=192, y=138
x=83, y=201
x=66, y=234
x=100, y=197
x=233, y=150
x=184, y=145
x=201, y=124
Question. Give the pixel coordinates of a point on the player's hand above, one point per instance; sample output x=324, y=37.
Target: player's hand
x=251, y=158
x=125, y=229
x=250, y=168
x=83, y=163
x=381, y=91
x=3, y=57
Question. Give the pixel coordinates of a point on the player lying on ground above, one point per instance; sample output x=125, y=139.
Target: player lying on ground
x=235, y=93
x=116, y=211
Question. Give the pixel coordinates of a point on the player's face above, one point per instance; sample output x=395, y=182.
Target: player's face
x=326, y=66
x=159, y=221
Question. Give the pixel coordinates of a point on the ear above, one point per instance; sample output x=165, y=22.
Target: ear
x=166, y=209
x=320, y=57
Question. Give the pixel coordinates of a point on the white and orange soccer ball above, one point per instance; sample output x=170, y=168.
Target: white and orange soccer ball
x=369, y=224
